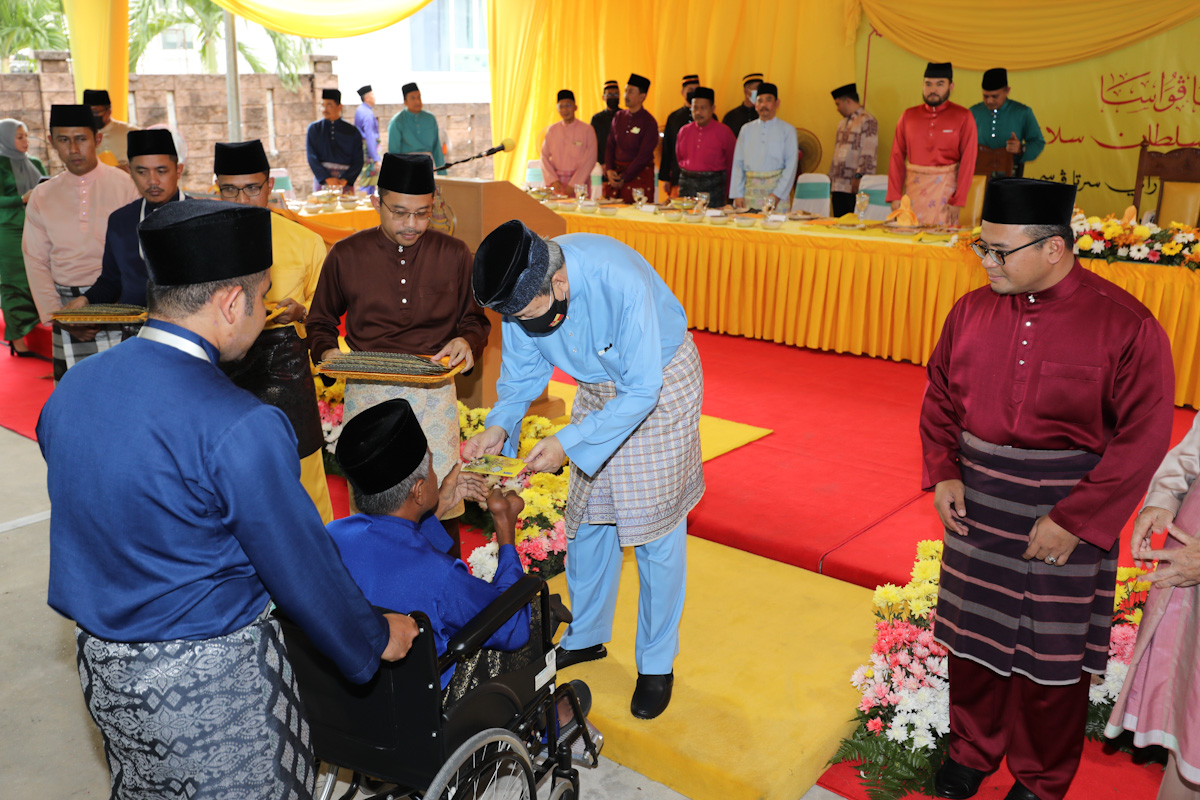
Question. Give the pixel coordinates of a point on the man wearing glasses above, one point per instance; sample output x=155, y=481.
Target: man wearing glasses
x=1048, y=409
x=403, y=289
x=276, y=367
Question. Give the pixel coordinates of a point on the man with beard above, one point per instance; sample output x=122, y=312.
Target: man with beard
x=629, y=155
x=1005, y=123
x=602, y=120
x=155, y=168
x=933, y=154
x=766, y=156
x=705, y=151
x=403, y=289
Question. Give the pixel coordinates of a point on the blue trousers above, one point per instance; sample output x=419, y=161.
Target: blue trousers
x=593, y=574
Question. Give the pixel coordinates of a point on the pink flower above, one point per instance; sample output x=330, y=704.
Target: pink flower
x=1154, y=256
x=881, y=690
x=867, y=703
x=1121, y=643
x=875, y=726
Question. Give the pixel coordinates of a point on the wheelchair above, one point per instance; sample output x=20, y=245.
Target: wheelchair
x=396, y=730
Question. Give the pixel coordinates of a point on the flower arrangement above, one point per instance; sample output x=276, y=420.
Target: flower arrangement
x=331, y=404
x=1125, y=239
x=541, y=528
x=903, y=715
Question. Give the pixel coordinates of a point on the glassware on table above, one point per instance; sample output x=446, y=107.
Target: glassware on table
x=702, y=199
x=639, y=196
x=768, y=205
x=861, y=201
x=581, y=192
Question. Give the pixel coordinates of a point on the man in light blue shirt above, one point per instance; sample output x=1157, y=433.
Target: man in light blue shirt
x=594, y=308
x=766, y=156
x=368, y=126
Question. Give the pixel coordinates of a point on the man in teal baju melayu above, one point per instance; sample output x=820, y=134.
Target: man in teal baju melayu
x=1006, y=124
x=415, y=131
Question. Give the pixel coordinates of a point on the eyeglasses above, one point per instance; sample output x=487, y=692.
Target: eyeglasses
x=231, y=192
x=415, y=216
x=983, y=251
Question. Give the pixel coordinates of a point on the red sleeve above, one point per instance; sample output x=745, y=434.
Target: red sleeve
x=968, y=145
x=328, y=306
x=1144, y=387
x=940, y=424
x=896, y=167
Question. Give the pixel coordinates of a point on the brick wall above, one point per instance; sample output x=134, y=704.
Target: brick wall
x=201, y=116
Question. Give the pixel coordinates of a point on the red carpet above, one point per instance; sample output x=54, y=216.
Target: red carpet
x=1102, y=774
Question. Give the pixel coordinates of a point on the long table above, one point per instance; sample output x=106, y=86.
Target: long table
x=866, y=292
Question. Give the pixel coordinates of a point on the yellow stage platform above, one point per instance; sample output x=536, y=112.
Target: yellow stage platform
x=762, y=682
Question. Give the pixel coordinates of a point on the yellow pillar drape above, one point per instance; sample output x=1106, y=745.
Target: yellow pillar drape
x=99, y=31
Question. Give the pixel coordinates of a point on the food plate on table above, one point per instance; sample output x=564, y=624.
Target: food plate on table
x=849, y=226
x=393, y=367
x=907, y=230
x=944, y=230
x=801, y=216
x=100, y=314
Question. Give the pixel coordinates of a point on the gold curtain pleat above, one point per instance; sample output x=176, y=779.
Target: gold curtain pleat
x=99, y=32
x=324, y=19
x=1020, y=34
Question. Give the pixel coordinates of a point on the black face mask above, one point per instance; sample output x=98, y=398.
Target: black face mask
x=547, y=322
x=613, y=103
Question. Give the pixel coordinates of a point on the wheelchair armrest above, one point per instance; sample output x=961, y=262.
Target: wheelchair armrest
x=481, y=627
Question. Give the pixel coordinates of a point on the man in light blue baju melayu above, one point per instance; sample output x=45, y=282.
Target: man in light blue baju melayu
x=594, y=308
x=766, y=156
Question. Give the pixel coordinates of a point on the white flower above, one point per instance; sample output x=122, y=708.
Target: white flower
x=897, y=732
x=1122, y=252
x=484, y=560
x=1153, y=228
x=1139, y=252
x=1158, y=246
x=1079, y=224
x=1098, y=246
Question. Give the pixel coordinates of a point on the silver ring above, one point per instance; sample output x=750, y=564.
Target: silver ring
x=1051, y=560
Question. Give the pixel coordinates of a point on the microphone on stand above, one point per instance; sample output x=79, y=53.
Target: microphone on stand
x=507, y=144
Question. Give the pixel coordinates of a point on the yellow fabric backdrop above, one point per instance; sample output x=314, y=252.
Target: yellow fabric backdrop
x=1092, y=113
x=324, y=19
x=537, y=47
x=1020, y=34
x=99, y=32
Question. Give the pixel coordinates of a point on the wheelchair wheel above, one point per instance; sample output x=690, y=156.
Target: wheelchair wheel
x=563, y=790
x=491, y=764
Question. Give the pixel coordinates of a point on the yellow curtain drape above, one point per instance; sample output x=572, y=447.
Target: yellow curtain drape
x=324, y=19
x=537, y=47
x=1019, y=34
x=100, y=48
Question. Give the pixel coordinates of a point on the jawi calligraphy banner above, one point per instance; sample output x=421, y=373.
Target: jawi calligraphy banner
x=1093, y=114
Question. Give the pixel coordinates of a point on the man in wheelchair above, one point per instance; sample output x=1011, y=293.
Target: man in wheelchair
x=396, y=550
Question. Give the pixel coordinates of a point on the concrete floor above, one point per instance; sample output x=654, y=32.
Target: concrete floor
x=48, y=744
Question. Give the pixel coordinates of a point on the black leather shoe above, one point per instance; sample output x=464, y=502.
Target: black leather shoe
x=568, y=658
x=1020, y=792
x=957, y=782
x=652, y=695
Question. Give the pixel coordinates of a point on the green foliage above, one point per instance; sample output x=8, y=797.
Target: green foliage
x=31, y=25
x=889, y=770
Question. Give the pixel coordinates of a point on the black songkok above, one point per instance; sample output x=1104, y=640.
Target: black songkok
x=96, y=97
x=510, y=266
x=751, y=78
x=768, y=88
x=611, y=85
x=158, y=142
x=332, y=94
x=690, y=79
x=407, y=173
x=1025, y=201
x=363, y=91
x=382, y=446
x=643, y=84
x=566, y=94
x=72, y=117
x=240, y=158
x=995, y=79
x=940, y=70
x=408, y=89
x=849, y=90
x=205, y=240
x=704, y=93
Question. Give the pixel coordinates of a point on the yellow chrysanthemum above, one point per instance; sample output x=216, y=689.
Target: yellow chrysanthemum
x=919, y=607
x=1171, y=248
x=1135, y=618
x=1084, y=242
x=1140, y=586
x=1125, y=573
x=926, y=570
x=888, y=595
x=1093, y=221
x=929, y=548
x=1141, y=231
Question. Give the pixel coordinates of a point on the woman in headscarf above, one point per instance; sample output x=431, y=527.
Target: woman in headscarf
x=19, y=173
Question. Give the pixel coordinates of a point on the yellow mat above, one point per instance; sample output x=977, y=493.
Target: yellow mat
x=762, y=682
x=717, y=436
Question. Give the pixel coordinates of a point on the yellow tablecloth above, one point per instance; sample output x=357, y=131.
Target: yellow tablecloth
x=864, y=292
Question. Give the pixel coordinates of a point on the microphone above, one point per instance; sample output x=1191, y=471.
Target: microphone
x=507, y=144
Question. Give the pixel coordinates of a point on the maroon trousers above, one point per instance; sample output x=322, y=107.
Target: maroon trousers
x=1039, y=728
